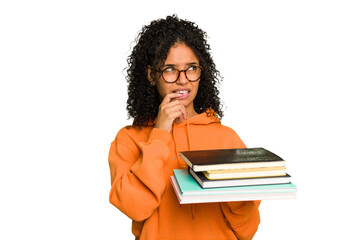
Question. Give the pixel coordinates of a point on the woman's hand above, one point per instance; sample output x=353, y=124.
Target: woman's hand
x=170, y=109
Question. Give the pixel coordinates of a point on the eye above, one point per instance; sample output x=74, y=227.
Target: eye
x=169, y=69
x=193, y=68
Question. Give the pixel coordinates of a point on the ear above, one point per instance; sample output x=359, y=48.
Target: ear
x=149, y=77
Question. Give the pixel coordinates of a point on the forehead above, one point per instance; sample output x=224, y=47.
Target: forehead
x=181, y=54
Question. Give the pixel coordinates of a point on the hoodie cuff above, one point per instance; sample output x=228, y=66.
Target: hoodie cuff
x=159, y=134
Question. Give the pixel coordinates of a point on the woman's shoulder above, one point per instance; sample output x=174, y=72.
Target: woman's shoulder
x=228, y=135
x=222, y=128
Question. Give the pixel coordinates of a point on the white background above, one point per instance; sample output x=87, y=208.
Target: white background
x=290, y=73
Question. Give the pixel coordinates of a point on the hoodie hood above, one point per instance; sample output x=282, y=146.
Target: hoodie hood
x=205, y=118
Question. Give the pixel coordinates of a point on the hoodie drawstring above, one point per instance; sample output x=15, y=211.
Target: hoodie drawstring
x=177, y=156
x=188, y=135
x=189, y=144
x=176, y=149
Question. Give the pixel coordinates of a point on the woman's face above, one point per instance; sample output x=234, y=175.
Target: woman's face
x=180, y=57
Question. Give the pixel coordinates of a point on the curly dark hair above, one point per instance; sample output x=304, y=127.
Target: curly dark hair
x=152, y=46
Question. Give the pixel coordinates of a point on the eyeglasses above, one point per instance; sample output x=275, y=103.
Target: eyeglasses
x=171, y=74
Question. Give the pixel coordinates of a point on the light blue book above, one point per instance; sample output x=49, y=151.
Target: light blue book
x=189, y=187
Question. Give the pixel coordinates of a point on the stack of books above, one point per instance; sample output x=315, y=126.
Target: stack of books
x=241, y=174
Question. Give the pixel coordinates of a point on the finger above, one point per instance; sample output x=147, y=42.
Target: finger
x=184, y=112
x=165, y=106
x=170, y=108
x=181, y=108
x=170, y=96
x=171, y=104
x=176, y=115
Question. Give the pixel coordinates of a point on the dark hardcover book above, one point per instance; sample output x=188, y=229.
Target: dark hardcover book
x=204, y=182
x=205, y=160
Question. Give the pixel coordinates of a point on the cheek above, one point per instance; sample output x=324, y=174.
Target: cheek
x=196, y=88
x=162, y=91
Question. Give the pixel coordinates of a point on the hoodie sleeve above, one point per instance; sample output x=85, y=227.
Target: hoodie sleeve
x=242, y=217
x=137, y=177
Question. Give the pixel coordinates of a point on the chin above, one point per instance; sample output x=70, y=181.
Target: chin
x=186, y=103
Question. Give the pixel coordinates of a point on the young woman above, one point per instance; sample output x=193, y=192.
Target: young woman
x=173, y=99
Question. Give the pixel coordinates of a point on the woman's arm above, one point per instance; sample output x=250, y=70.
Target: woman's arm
x=242, y=217
x=137, y=177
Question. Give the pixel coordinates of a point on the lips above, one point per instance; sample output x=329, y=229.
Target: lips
x=182, y=91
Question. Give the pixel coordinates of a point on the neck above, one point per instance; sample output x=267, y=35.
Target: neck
x=191, y=111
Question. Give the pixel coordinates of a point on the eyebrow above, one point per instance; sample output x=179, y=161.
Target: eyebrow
x=174, y=65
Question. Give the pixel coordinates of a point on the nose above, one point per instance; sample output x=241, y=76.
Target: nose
x=182, y=78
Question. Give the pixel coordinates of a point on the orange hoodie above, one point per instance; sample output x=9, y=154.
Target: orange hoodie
x=141, y=163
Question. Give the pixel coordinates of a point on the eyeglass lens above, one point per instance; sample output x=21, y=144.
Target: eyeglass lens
x=172, y=74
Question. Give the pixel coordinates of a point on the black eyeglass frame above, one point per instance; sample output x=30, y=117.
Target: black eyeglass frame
x=180, y=71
